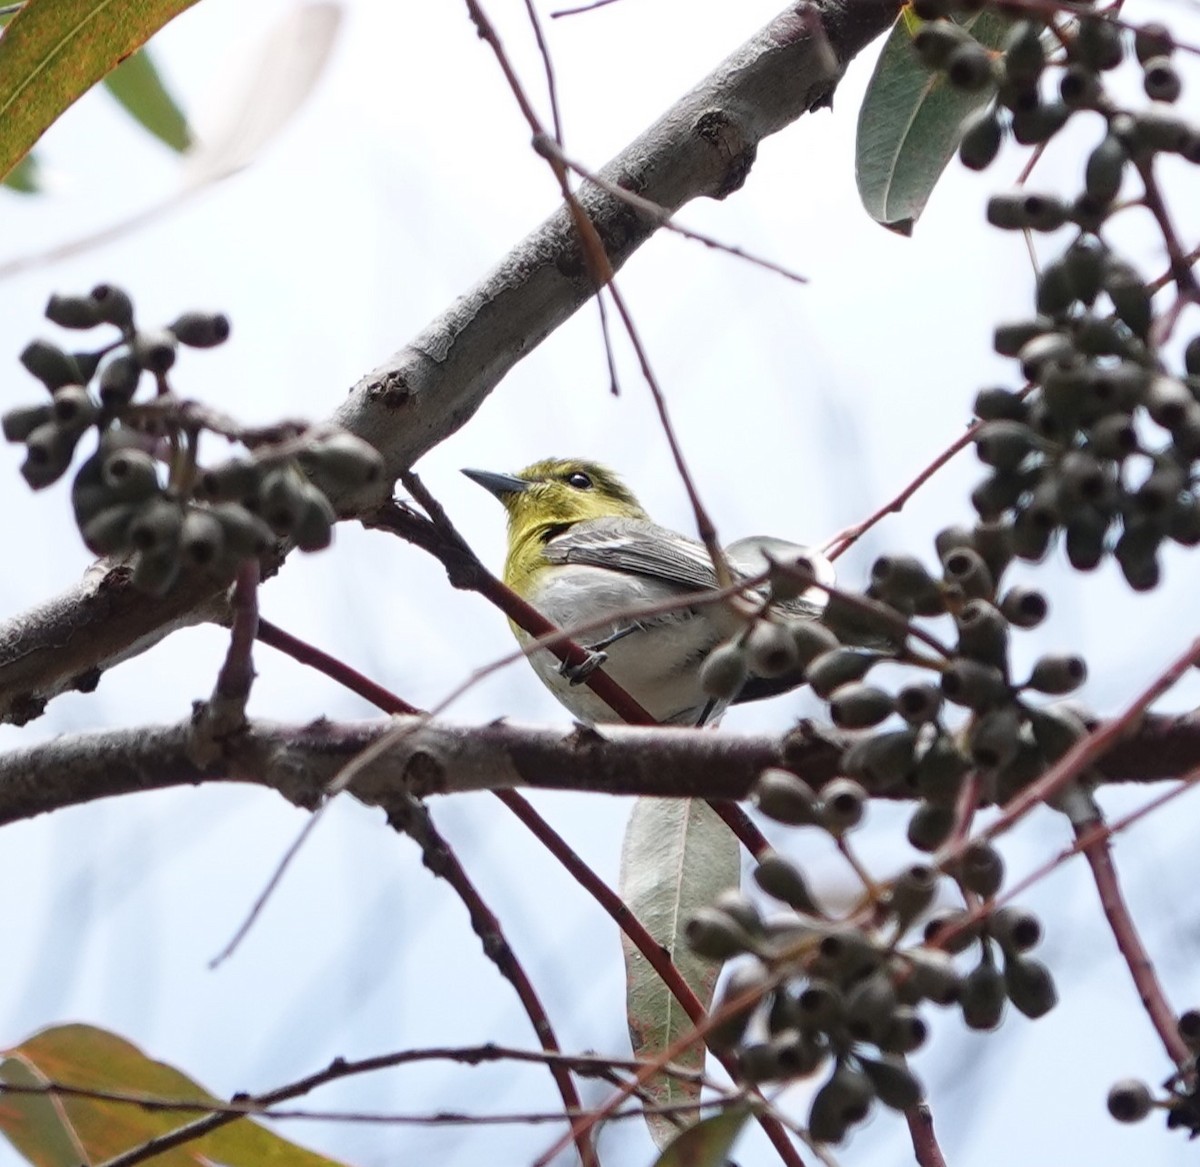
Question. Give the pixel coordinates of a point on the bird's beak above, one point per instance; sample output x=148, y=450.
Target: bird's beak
x=498, y=484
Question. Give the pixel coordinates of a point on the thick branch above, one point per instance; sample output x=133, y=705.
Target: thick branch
x=436, y=758
x=703, y=146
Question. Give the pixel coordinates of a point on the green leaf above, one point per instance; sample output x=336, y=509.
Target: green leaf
x=25, y=177
x=678, y=855
x=53, y=51
x=137, y=85
x=63, y=1131
x=708, y=1143
x=911, y=122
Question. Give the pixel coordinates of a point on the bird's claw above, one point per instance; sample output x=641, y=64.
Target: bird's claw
x=577, y=674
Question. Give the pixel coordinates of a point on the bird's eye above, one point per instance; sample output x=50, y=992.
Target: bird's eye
x=579, y=480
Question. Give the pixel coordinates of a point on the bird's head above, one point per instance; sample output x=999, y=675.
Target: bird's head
x=556, y=493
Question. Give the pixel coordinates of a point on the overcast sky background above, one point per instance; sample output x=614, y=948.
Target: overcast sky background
x=801, y=409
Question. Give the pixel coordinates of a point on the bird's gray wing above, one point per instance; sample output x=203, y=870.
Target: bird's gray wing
x=637, y=546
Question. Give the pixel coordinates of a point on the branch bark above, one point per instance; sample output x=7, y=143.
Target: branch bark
x=703, y=146
x=437, y=758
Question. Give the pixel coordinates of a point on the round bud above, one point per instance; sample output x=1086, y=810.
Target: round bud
x=912, y=891
x=981, y=869
x=895, y=1084
x=154, y=351
x=982, y=633
x=1098, y=44
x=1024, y=607
x=1004, y=445
x=49, y=364
x=785, y=797
x=906, y=1033
x=201, y=538
x=932, y=976
x=107, y=531
x=972, y=684
x=73, y=408
x=969, y=67
x=930, y=826
x=742, y=979
x=1029, y=984
x=48, y=452
x=843, y=803
x=860, y=706
x=113, y=305
x=1015, y=929
x=940, y=772
x=869, y=1005
x=129, y=474
x=1189, y=1028
x=811, y=639
x=314, y=527
x=19, y=423
x=881, y=759
x=838, y=667
x=981, y=140
x=246, y=535
x=1105, y=167
x=1009, y=339
x=1161, y=80
x=948, y=932
x=200, y=329
x=982, y=995
x=724, y=671
x=770, y=649
x=156, y=529
x=937, y=39
x=349, y=462
x=783, y=880
x=155, y=571
x=1130, y=1100
x=1058, y=674
x=716, y=935
x=919, y=703
x=119, y=380
x=72, y=311
x=1056, y=729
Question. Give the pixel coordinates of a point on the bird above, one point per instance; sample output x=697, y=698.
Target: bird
x=583, y=551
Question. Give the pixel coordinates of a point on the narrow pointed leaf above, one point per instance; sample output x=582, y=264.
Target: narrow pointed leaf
x=677, y=856
x=54, y=51
x=911, y=122
x=708, y=1143
x=63, y=1131
x=138, y=86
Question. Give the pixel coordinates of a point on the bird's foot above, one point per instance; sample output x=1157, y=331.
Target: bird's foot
x=577, y=674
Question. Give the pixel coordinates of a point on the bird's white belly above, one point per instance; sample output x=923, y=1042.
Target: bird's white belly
x=657, y=665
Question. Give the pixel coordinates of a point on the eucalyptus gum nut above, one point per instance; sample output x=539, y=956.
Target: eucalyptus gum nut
x=1130, y=298
x=113, y=305
x=1113, y=436
x=1184, y=523
x=1079, y=87
x=119, y=380
x=1024, y=210
x=1024, y=54
x=1155, y=129
x=756, y=1062
x=106, y=532
x=819, y=1005
x=994, y=541
x=1130, y=1100
x=895, y=1084
x=869, y=1007
x=1004, y=444
x=838, y=667
x=1030, y=127
x=154, y=572
x=201, y=538
x=1058, y=674
x=783, y=880
x=1056, y=730
x=314, y=527
x=72, y=311
x=200, y=329
x=957, y=939
x=130, y=475
x=1085, y=261
x=969, y=67
x=1042, y=350
x=997, y=403
x=1168, y=401
x=49, y=364
x=1024, y=607
x=1104, y=170
x=1161, y=80
x=1097, y=337
x=733, y=903
x=742, y=979
x=1153, y=39
x=982, y=996
x=811, y=639
x=154, y=351
x=906, y=1034
x=785, y=797
x=860, y=706
x=994, y=738
x=937, y=39
x=930, y=826
x=1085, y=539
x=1054, y=295
x=1009, y=339
x=843, y=803
x=246, y=535
x=1161, y=489
x=825, y=1121
x=20, y=422
x=770, y=649
x=966, y=570
x=1083, y=480
x=996, y=493
x=973, y=684
x=48, y=453
x=1032, y=531
x=716, y=935
x=849, y=1092
x=982, y=633
x=1136, y=551
x=911, y=893
x=348, y=460
x=724, y=671
x=932, y=975
x=1015, y=929
x=981, y=140
x=156, y=529
x=281, y=499
x=882, y=759
x=919, y=703
x=901, y=577
x=796, y=1054
x=981, y=869
x=1098, y=44
x=845, y=953
x=940, y=772
x=1030, y=985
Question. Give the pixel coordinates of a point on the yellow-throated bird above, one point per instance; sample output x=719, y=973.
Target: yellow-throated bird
x=582, y=549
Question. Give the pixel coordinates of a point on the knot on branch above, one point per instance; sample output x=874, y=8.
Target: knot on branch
x=737, y=154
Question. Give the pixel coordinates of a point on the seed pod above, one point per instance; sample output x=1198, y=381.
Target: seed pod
x=156, y=529
x=995, y=494
x=999, y=404
x=1034, y=526
x=969, y=67
x=154, y=351
x=846, y=953
x=1079, y=87
x=1009, y=339
x=155, y=571
x=230, y=481
x=1130, y=1100
x=1085, y=541
x=1105, y=166
x=716, y=935
x=1152, y=40
x=119, y=380
x=1024, y=607
x=346, y=460
x=819, y=1005
x=770, y=649
x=107, y=531
x=129, y=474
x=1184, y=523
x=843, y=803
x=743, y=978
x=1161, y=488
x=1024, y=210
x=1024, y=55
x=19, y=423
x=948, y=932
x=1004, y=444
x=981, y=869
x=1113, y=436
x=201, y=538
x=1044, y=350
x=73, y=409
x=1168, y=401
x=895, y=1084
x=995, y=737
x=1160, y=79
x=1058, y=674
x=246, y=535
x=783, y=880
x=724, y=671
x=995, y=543
x=785, y=797
x=940, y=773
x=732, y=902
x=981, y=140
x=1098, y=44
x=811, y=639
x=1083, y=480
x=48, y=453
x=919, y=703
x=932, y=976
x=906, y=1034
x=756, y=1061
x=113, y=306
x=1056, y=729
x=1189, y=1028
x=314, y=527
x=930, y=826
x=911, y=893
x=796, y=1054
x=1054, y=295
x=869, y=1007
x=1015, y=929
x=883, y=759
x=860, y=706
x=1030, y=985
x=1130, y=298
x=974, y=685
x=1030, y=127
x=899, y=578
x=838, y=667
x=1136, y=552
x=982, y=996
x=982, y=633
x=49, y=364
x=844, y=1101
x=200, y=329
x=937, y=39
x=966, y=570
